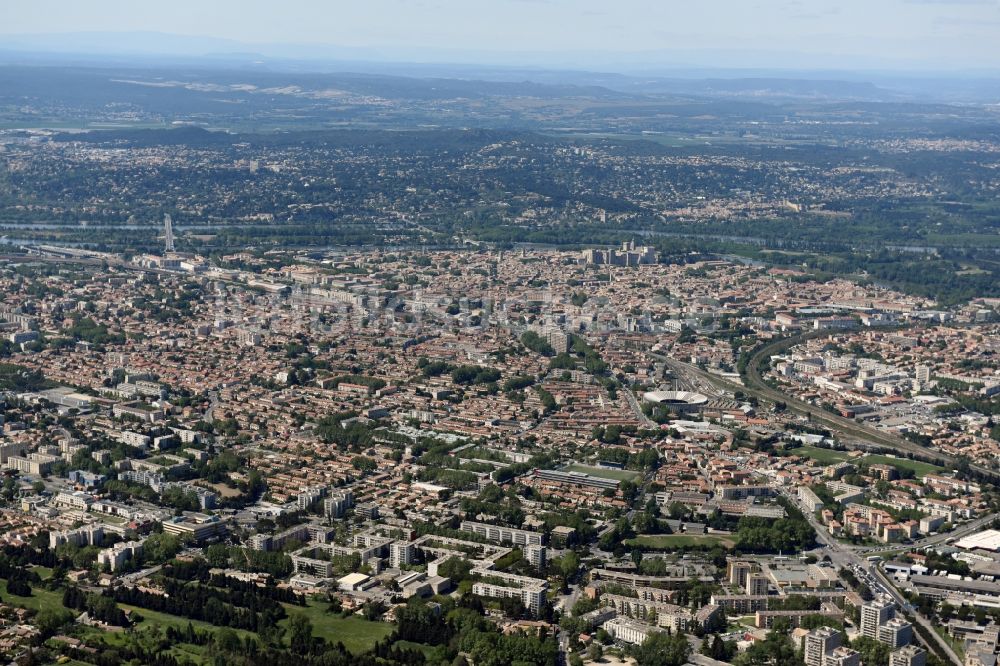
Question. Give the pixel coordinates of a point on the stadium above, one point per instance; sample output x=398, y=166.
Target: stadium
x=682, y=402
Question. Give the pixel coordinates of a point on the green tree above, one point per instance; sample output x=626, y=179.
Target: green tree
x=364, y=464
x=872, y=652
x=567, y=566
x=661, y=649
x=49, y=620
x=776, y=649
x=300, y=631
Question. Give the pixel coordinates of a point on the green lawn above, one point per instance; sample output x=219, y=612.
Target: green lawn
x=671, y=541
x=356, y=633
x=39, y=599
x=43, y=572
x=410, y=645
x=829, y=456
x=151, y=617
x=822, y=456
x=194, y=653
x=602, y=472
x=919, y=468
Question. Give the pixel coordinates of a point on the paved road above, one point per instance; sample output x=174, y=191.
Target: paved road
x=843, y=557
x=132, y=578
x=835, y=422
x=634, y=404
x=850, y=431
x=967, y=528
x=702, y=660
x=920, y=619
x=213, y=402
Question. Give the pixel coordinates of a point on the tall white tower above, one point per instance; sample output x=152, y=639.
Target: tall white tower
x=168, y=234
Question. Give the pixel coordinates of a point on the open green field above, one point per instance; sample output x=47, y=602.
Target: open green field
x=151, y=617
x=112, y=520
x=39, y=599
x=602, y=472
x=671, y=541
x=829, y=456
x=356, y=633
x=410, y=645
x=919, y=468
x=193, y=653
x=822, y=456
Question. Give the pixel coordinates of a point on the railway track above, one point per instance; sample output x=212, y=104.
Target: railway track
x=851, y=432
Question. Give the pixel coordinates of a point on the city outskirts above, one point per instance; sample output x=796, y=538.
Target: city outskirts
x=499, y=334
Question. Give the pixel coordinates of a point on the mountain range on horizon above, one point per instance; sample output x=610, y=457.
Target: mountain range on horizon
x=675, y=63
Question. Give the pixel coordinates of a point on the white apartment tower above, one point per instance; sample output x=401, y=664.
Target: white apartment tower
x=874, y=614
x=818, y=643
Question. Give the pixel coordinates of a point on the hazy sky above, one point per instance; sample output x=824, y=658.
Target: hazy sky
x=849, y=33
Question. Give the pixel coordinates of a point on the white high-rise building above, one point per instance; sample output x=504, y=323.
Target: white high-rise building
x=756, y=584
x=535, y=555
x=874, y=614
x=168, y=234
x=818, y=642
x=842, y=656
x=739, y=571
x=910, y=655
x=896, y=633
x=401, y=553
